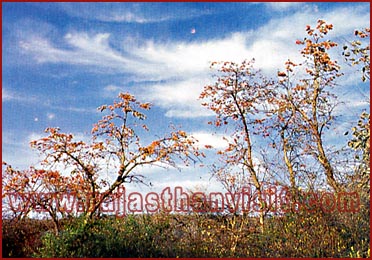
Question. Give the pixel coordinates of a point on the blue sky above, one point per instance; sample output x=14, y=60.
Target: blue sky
x=63, y=60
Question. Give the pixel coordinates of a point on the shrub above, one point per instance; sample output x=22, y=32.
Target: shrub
x=102, y=238
x=22, y=238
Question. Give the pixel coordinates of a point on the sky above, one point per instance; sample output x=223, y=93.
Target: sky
x=63, y=60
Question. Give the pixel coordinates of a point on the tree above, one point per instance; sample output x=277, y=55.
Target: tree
x=36, y=190
x=298, y=109
x=310, y=99
x=240, y=97
x=357, y=54
x=116, y=147
x=284, y=125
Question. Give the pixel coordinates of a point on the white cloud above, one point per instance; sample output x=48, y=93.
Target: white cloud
x=179, y=97
x=151, y=60
x=32, y=137
x=112, y=88
x=185, y=59
x=346, y=20
x=113, y=12
x=282, y=6
x=353, y=102
x=51, y=116
x=18, y=152
x=85, y=50
x=6, y=96
x=214, y=140
x=183, y=67
x=189, y=113
x=270, y=45
x=127, y=17
x=189, y=185
x=15, y=96
x=10, y=95
x=201, y=181
x=130, y=12
x=16, y=149
x=73, y=109
x=111, y=91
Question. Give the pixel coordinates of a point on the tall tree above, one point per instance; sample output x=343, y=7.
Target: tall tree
x=310, y=99
x=239, y=97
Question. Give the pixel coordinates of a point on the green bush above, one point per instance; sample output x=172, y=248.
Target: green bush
x=298, y=234
x=102, y=238
x=77, y=240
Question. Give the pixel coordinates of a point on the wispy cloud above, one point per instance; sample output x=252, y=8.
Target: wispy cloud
x=17, y=151
x=182, y=67
x=268, y=44
x=130, y=12
x=73, y=109
x=51, y=116
x=112, y=88
x=179, y=97
x=283, y=6
x=6, y=95
x=9, y=95
x=84, y=50
x=207, y=139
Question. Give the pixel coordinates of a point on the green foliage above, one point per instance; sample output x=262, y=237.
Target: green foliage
x=297, y=234
x=360, y=143
x=358, y=53
x=102, y=238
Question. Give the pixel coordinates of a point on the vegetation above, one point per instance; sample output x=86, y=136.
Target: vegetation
x=168, y=235
x=291, y=116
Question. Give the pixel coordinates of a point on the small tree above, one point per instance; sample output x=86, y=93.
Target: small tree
x=36, y=190
x=116, y=147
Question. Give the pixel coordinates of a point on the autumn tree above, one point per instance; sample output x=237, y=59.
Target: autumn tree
x=116, y=149
x=288, y=138
x=310, y=99
x=35, y=190
x=239, y=98
x=294, y=113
